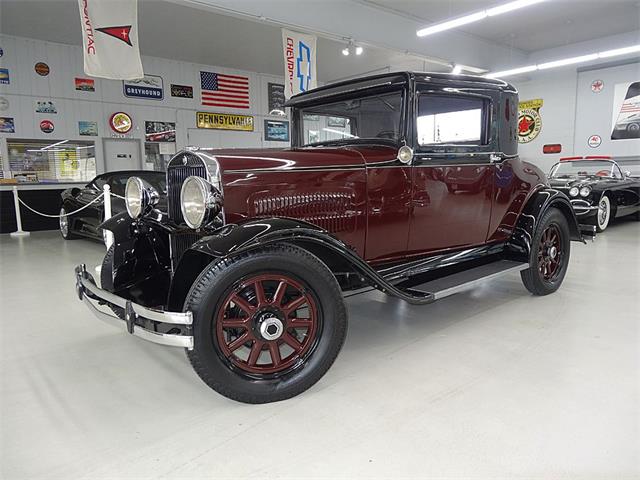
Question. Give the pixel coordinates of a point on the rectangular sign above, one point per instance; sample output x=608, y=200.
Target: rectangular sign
x=299, y=62
x=4, y=76
x=626, y=111
x=182, y=91
x=224, y=121
x=7, y=125
x=276, y=131
x=85, y=84
x=160, y=131
x=88, y=129
x=275, y=93
x=149, y=87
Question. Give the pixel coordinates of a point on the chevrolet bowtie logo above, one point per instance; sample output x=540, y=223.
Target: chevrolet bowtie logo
x=303, y=64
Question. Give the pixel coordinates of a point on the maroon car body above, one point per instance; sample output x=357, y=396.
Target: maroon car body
x=408, y=183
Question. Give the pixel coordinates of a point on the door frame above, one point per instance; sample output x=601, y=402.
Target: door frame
x=104, y=151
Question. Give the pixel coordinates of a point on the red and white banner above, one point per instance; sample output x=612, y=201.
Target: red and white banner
x=110, y=39
x=299, y=62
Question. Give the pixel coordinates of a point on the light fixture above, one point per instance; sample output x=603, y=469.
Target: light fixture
x=457, y=69
x=359, y=50
x=566, y=61
x=475, y=17
x=345, y=51
x=351, y=48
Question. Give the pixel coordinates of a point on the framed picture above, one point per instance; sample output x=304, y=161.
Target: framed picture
x=276, y=131
x=276, y=99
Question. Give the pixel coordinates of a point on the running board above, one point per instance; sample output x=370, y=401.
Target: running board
x=458, y=282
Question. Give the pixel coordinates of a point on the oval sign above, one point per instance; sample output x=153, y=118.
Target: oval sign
x=594, y=141
x=120, y=122
x=46, y=126
x=42, y=69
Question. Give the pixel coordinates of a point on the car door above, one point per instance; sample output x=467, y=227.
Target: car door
x=91, y=216
x=452, y=170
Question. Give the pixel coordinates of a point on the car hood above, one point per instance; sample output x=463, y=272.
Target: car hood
x=579, y=182
x=233, y=160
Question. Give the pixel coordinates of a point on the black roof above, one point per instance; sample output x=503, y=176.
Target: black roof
x=395, y=78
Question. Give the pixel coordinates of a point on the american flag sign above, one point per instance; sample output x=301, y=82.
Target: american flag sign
x=220, y=90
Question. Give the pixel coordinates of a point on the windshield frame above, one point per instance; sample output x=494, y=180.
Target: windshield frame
x=613, y=167
x=298, y=112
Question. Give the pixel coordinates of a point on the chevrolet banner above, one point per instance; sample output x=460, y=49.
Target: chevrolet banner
x=299, y=62
x=224, y=121
x=110, y=39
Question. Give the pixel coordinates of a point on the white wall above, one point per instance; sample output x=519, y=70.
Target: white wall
x=65, y=62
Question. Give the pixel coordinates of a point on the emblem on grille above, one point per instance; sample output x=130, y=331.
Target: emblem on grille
x=184, y=160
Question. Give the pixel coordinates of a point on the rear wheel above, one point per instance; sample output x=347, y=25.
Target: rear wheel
x=549, y=256
x=65, y=226
x=604, y=214
x=267, y=324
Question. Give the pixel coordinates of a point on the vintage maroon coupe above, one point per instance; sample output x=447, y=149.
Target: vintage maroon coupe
x=409, y=183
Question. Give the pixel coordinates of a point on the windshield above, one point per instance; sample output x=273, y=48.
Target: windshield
x=372, y=117
x=585, y=168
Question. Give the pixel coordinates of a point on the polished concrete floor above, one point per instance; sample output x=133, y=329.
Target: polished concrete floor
x=492, y=383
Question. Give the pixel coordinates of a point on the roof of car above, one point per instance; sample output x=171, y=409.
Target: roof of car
x=395, y=78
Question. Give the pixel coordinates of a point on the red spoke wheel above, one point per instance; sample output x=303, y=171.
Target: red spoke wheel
x=267, y=324
x=549, y=256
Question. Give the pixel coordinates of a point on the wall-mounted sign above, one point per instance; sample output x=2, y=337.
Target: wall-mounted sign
x=149, y=87
x=85, y=84
x=552, y=148
x=46, y=107
x=529, y=120
x=160, y=131
x=46, y=126
x=597, y=86
x=4, y=104
x=182, y=91
x=4, y=76
x=7, y=125
x=626, y=111
x=42, y=69
x=224, y=121
x=275, y=93
x=340, y=122
x=120, y=122
x=88, y=129
x=594, y=141
x=276, y=131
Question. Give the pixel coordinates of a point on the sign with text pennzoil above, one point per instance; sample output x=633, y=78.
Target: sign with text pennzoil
x=224, y=121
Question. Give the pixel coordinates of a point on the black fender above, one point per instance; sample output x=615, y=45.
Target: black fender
x=236, y=239
x=536, y=206
x=141, y=261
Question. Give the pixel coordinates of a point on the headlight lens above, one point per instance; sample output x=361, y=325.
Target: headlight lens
x=574, y=192
x=134, y=196
x=200, y=201
x=585, y=191
x=139, y=196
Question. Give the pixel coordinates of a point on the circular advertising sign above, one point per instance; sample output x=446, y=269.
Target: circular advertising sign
x=529, y=125
x=594, y=141
x=597, y=86
x=120, y=122
x=46, y=126
x=42, y=69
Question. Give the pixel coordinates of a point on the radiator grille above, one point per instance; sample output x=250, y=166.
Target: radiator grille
x=180, y=243
x=180, y=167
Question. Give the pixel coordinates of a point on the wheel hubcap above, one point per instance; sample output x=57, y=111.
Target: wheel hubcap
x=550, y=253
x=268, y=324
x=64, y=222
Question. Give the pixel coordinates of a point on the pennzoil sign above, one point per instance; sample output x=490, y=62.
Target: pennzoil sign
x=224, y=121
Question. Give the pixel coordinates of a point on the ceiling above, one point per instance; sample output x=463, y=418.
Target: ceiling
x=547, y=25
x=179, y=32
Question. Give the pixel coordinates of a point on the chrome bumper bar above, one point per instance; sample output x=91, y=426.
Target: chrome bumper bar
x=94, y=297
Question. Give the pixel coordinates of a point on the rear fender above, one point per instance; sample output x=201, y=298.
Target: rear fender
x=537, y=205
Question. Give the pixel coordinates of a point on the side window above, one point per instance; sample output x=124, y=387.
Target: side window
x=445, y=120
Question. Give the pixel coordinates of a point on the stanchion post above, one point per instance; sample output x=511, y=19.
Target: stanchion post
x=108, y=234
x=16, y=204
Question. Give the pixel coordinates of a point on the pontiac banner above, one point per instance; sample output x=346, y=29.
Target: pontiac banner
x=299, y=62
x=110, y=39
x=224, y=121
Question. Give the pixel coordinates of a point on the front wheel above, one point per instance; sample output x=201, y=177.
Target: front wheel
x=65, y=226
x=549, y=256
x=604, y=214
x=267, y=324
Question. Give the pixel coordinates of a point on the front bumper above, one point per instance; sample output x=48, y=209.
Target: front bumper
x=135, y=315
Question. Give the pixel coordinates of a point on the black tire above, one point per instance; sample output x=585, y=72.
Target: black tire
x=225, y=277
x=533, y=278
x=66, y=233
x=106, y=278
x=609, y=208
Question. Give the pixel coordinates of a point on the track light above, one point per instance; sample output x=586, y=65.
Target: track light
x=359, y=50
x=345, y=51
x=351, y=48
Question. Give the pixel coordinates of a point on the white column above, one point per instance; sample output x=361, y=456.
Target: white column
x=108, y=234
x=16, y=204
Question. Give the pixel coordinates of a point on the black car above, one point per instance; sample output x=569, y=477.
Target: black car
x=598, y=188
x=86, y=222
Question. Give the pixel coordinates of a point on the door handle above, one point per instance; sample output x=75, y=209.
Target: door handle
x=493, y=158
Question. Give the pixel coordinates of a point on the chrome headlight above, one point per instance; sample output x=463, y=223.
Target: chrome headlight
x=585, y=191
x=574, y=191
x=139, y=196
x=200, y=202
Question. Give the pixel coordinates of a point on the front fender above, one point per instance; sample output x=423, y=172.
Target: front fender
x=536, y=207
